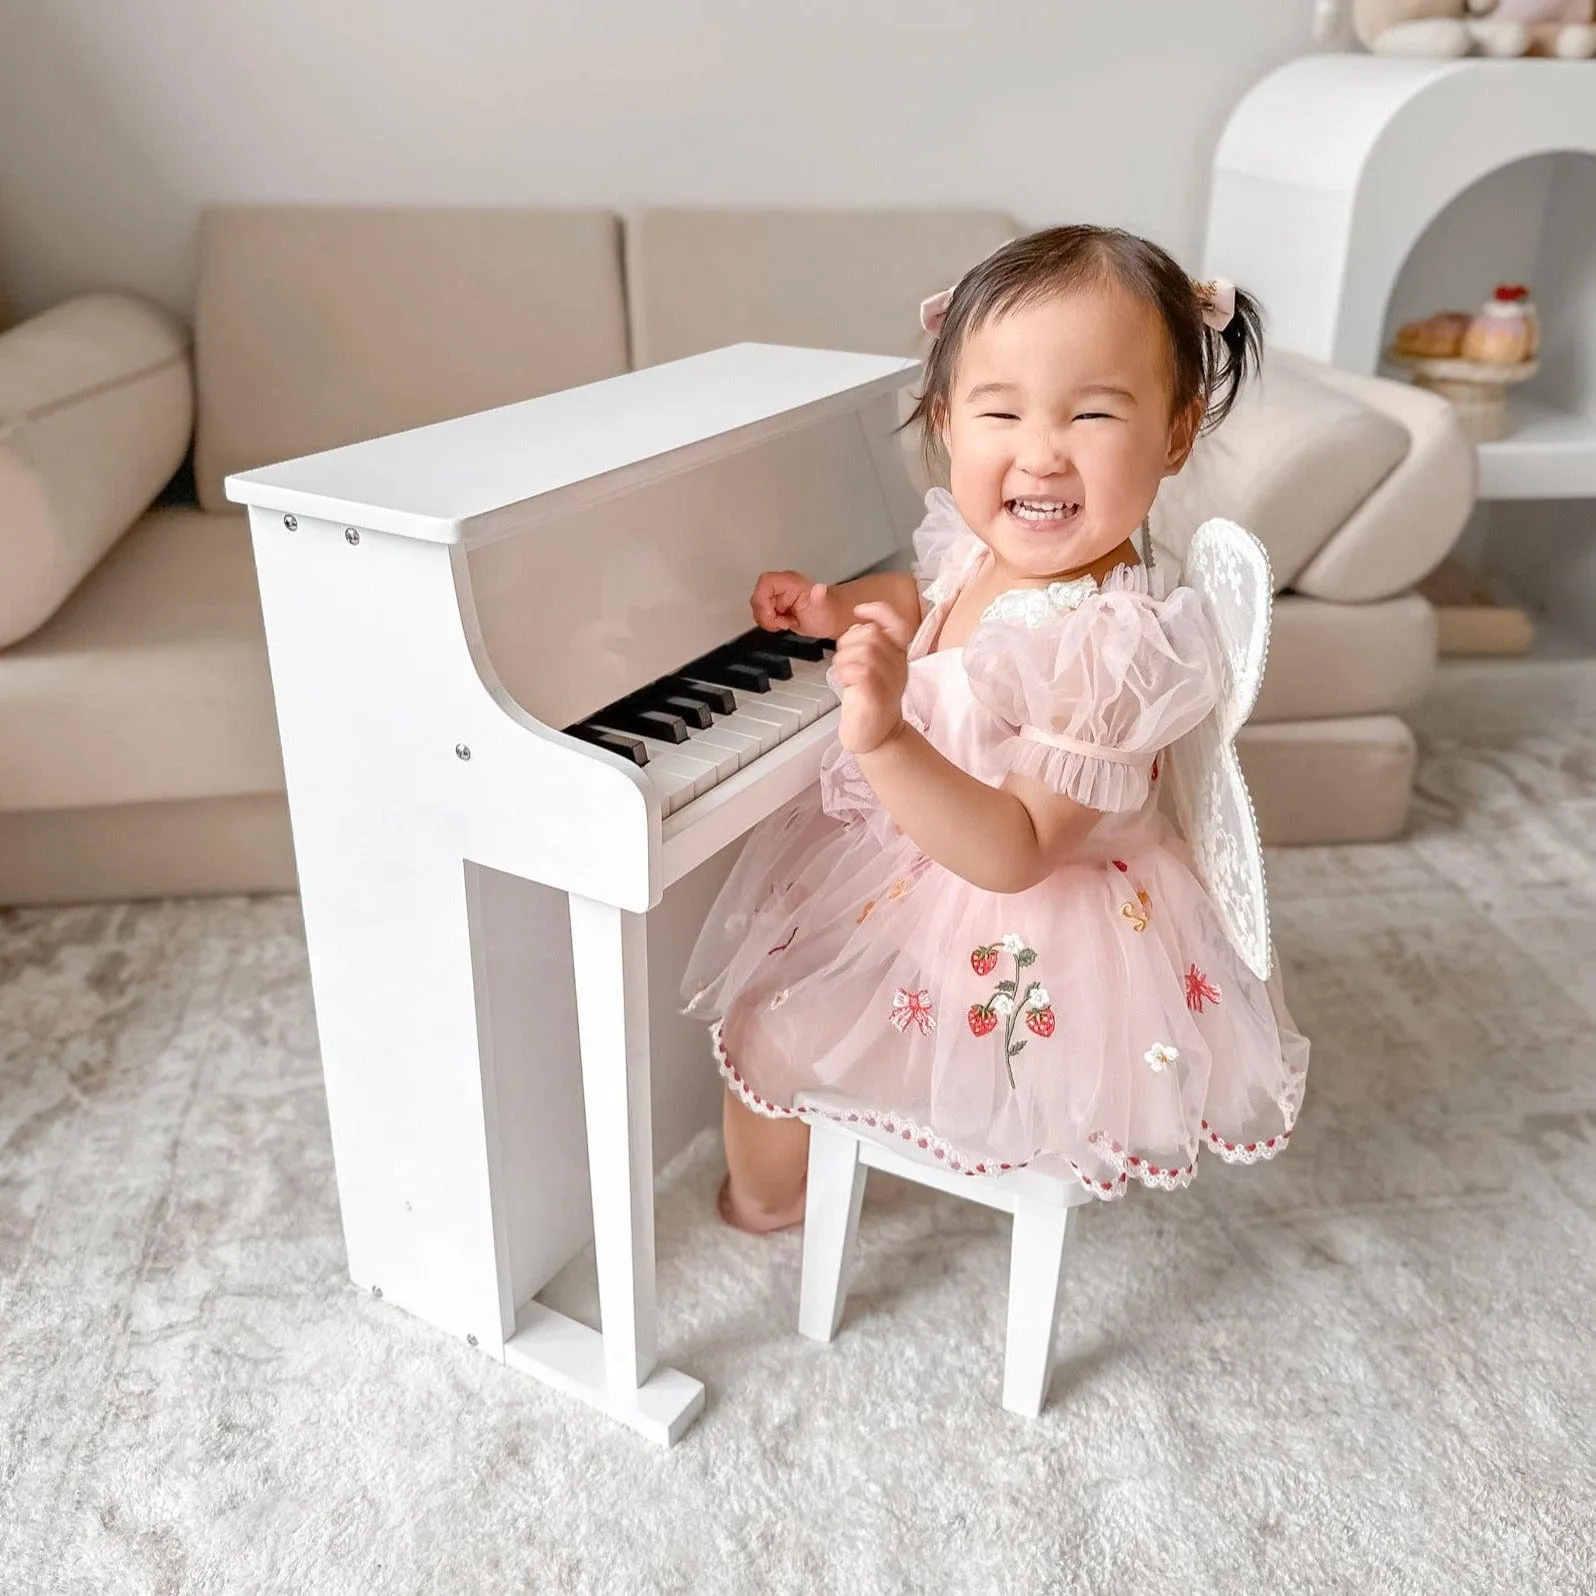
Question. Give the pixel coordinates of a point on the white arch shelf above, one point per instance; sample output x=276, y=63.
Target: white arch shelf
x=1332, y=168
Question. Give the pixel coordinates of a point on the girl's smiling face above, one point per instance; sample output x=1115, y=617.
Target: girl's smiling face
x=1058, y=429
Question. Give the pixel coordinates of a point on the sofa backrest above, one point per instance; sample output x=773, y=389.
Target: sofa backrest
x=321, y=326
x=830, y=279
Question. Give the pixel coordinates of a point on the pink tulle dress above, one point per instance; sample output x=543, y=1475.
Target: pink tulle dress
x=1099, y=1025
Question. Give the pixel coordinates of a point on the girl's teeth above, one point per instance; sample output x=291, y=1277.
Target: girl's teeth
x=1041, y=509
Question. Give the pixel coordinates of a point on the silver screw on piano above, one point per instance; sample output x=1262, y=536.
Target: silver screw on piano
x=376, y=1291
x=461, y=751
x=351, y=536
x=471, y=1341
x=291, y=522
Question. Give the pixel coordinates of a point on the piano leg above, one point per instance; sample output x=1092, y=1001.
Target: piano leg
x=613, y=1368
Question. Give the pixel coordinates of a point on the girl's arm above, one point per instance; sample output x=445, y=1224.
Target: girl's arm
x=1004, y=839
x=790, y=601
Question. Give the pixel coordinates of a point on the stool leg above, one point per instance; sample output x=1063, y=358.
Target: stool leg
x=831, y=1221
x=1036, y=1258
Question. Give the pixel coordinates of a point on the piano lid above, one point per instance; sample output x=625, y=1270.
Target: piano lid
x=478, y=477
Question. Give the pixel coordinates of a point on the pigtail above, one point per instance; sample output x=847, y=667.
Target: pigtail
x=1232, y=356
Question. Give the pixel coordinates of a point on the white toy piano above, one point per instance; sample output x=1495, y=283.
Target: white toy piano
x=524, y=723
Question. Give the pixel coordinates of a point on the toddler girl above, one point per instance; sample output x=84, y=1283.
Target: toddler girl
x=980, y=930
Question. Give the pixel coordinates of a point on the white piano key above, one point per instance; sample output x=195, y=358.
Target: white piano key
x=814, y=673
x=742, y=747
x=821, y=696
x=702, y=745
x=765, y=733
x=761, y=706
x=808, y=706
x=674, y=786
x=669, y=756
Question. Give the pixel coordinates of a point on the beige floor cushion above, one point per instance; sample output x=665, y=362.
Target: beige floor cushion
x=1328, y=660
x=1291, y=462
x=317, y=327
x=96, y=406
x=826, y=279
x=1330, y=781
x=150, y=683
x=183, y=847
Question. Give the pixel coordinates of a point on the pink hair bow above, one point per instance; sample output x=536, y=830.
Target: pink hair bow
x=1218, y=299
x=934, y=311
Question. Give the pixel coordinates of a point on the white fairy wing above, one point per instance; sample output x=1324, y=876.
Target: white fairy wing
x=1229, y=570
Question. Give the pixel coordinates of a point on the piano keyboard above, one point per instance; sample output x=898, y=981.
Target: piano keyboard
x=705, y=722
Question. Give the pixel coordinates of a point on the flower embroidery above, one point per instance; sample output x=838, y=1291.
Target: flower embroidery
x=1138, y=913
x=1036, y=606
x=913, y=1008
x=781, y=947
x=781, y=997
x=1161, y=1055
x=864, y=912
x=1199, y=990
x=1008, y=1002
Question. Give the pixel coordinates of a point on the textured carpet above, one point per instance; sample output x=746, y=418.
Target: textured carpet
x=1366, y=1367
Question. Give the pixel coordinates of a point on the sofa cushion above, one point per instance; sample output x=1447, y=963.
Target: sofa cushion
x=1326, y=781
x=317, y=327
x=96, y=406
x=1328, y=660
x=1406, y=526
x=827, y=279
x=1292, y=461
x=151, y=681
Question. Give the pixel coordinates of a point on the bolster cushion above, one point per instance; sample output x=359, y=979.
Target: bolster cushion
x=1292, y=461
x=96, y=407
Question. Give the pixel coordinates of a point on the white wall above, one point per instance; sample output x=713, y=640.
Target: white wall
x=119, y=117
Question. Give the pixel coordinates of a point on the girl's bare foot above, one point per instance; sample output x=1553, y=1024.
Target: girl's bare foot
x=757, y=1221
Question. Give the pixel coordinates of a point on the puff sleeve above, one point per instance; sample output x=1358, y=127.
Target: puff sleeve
x=1091, y=687
x=945, y=549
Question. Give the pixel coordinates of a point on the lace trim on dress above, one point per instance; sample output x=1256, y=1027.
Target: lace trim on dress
x=1128, y=1166
x=1036, y=606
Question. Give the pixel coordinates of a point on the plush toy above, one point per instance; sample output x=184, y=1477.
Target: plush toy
x=1397, y=27
x=1565, y=28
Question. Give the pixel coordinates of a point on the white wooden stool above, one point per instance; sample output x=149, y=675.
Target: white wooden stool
x=840, y=1158
x=1229, y=570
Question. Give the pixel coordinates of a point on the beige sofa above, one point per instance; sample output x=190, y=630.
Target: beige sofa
x=138, y=753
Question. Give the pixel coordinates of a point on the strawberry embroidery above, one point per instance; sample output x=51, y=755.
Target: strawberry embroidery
x=982, y=1020
x=1008, y=1002
x=1199, y=990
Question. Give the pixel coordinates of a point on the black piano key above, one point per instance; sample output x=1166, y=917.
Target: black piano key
x=791, y=644
x=777, y=666
x=626, y=747
x=656, y=723
x=697, y=715
x=719, y=699
x=730, y=673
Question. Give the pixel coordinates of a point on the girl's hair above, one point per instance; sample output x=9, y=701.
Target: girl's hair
x=1205, y=364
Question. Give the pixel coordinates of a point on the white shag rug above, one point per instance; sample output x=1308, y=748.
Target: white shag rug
x=1366, y=1367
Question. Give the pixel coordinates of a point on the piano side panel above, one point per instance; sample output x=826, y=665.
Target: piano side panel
x=527, y=994
x=578, y=611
